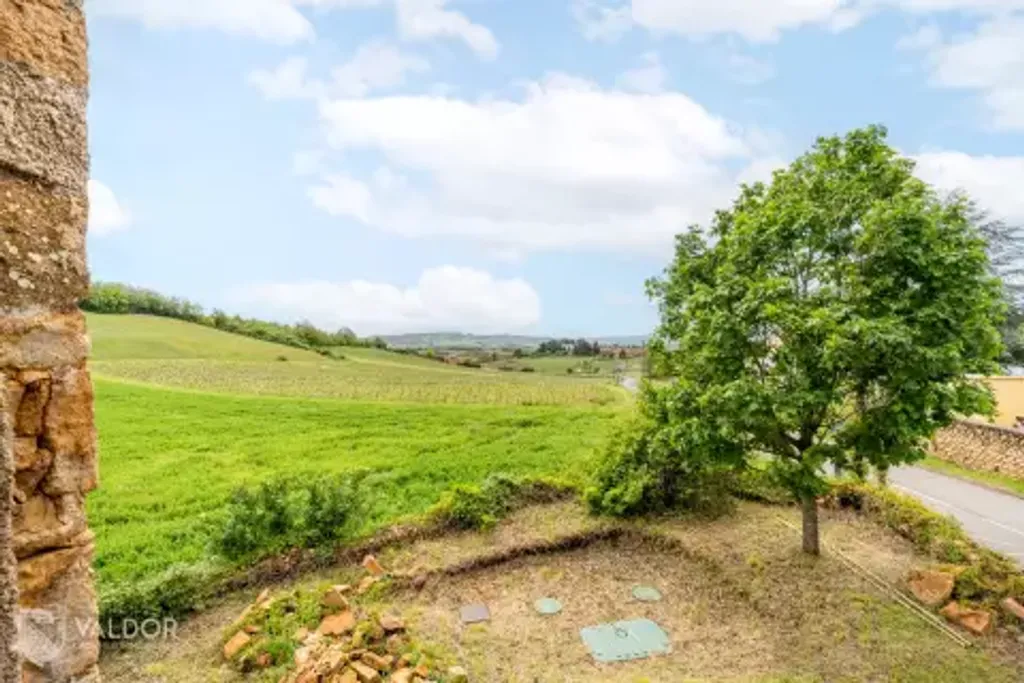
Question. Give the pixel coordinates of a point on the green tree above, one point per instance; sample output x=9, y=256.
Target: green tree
x=830, y=317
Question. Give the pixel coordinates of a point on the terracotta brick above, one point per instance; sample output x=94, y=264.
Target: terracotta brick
x=47, y=35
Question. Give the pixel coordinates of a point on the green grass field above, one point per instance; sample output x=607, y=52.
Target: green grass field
x=187, y=414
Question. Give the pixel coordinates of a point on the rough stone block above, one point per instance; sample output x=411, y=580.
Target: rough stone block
x=29, y=418
x=43, y=340
x=42, y=128
x=60, y=582
x=37, y=574
x=8, y=570
x=13, y=390
x=69, y=433
x=47, y=35
x=43, y=523
x=42, y=247
x=68, y=426
x=71, y=474
x=33, y=464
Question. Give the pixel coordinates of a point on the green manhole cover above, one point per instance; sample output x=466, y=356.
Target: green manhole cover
x=625, y=640
x=646, y=594
x=548, y=606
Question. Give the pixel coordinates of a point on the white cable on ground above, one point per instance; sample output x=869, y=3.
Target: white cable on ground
x=890, y=590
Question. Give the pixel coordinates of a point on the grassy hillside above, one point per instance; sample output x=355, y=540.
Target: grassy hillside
x=170, y=459
x=121, y=337
x=171, y=353
x=187, y=414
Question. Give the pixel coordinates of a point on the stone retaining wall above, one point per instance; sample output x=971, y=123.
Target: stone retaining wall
x=47, y=438
x=980, y=446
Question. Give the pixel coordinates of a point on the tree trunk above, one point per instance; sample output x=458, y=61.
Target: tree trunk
x=810, y=513
x=883, y=476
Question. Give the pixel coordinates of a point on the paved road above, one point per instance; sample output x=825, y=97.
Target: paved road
x=994, y=519
x=991, y=518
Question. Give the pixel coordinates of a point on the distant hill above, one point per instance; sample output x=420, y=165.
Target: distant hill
x=462, y=340
x=137, y=337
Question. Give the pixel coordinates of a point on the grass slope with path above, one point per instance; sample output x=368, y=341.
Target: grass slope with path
x=187, y=414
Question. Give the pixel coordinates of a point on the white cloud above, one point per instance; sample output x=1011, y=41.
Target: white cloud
x=428, y=19
x=764, y=21
x=924, y=38
x=288, y=81
x=990, y=61
x=755, y=20
x=444, y=298
x=308, y=162
x=747, y=70
x=273, y=20
x=106, y=214
x=600, y=21
x=650, y=77
x=342, y=4
x=374, y=66
x=994, y=182
x=569, y=165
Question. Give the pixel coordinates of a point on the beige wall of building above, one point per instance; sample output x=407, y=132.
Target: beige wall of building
x=1009, y=392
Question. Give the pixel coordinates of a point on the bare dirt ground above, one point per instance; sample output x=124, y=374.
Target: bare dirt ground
x=739, y=603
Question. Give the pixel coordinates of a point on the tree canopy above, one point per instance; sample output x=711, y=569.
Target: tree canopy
x=834, y=315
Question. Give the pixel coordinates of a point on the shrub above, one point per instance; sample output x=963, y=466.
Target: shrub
x=471, y=506
x=648, y=470
x=757, y=484
x=330, y=508
x=527, y=369
x=284, y=513
x=282, y=358
x=179, y=590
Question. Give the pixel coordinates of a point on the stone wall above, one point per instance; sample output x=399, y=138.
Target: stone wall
x=47, y=394
x=980, y=446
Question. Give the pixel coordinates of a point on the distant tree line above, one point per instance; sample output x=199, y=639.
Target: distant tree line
x=569, y=347
x=117, y=298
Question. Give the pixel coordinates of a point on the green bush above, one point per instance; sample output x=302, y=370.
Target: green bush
x=467, y=506
x=645, y=470
x=284, y=513
x=181, y=589
x=471, y=506
x=330, y=508
x=757, y=484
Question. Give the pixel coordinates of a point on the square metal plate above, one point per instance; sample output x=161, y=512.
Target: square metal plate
x=625, y=640
x=474, y=614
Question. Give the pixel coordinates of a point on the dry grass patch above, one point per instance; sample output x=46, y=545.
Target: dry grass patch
x=740, y=603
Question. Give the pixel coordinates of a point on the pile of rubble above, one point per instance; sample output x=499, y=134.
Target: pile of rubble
x=935, y=588
x=349, y=645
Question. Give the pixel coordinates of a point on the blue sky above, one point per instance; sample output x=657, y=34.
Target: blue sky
x=502, y=165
